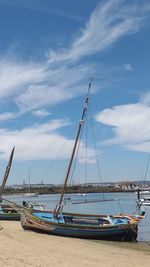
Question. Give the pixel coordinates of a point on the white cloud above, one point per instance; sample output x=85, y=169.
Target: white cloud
x=7, y=116
x=38, y=96
x=130, y=124
x=109, y=22
x=41, y=113
x=40, y=142
x=34, y=86
x=14, y=76
x=58, y=89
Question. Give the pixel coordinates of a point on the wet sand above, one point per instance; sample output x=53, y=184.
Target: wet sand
x=26, y=248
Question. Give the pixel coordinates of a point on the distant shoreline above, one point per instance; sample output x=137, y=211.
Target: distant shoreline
x=46, y=191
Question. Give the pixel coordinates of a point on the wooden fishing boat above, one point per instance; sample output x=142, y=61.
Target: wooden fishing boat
x=119, y=227
x=122, y=227
x=8, y=213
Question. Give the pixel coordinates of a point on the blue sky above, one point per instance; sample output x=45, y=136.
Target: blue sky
x=48, y=49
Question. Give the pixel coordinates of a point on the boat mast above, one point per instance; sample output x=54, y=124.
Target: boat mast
x=7, y=171
x=59, y=206
x=147, y=166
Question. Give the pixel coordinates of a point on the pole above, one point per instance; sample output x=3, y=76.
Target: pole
x=59, y=207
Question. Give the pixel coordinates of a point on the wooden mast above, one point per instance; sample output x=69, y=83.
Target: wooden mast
x=7, y=171
x=59, y=206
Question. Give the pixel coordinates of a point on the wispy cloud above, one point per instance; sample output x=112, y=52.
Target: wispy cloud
x=15, y=76
x=130, y=124
x=39, y=6
x=56, y=90
x=31, y=86
x=41, y=113
x=109, y=21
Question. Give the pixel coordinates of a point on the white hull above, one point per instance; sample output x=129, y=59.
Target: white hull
x=30, y=195
x=145, y=201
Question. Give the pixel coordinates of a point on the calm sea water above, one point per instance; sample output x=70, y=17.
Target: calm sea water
x=119, y=202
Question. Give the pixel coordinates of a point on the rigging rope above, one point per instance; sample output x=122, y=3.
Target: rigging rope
x=96, y=154
x=86, y=151
x=31, y=164
x=54, y=160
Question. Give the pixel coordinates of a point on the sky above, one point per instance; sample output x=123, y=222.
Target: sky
x=48, y=50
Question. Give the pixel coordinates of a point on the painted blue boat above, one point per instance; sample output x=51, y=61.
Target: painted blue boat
x=121, y=228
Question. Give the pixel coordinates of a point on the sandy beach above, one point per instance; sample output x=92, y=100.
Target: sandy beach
x=26, y=248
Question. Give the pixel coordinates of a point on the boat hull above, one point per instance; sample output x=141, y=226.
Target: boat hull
x=142, y=203
x=114, y=233
x=125, y=235
x=10, y=217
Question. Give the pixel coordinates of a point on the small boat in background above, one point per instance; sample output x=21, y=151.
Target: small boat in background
x=143, y=193
x=33, y=205
x=30, y=195
x=8, y=213
x=143, y=198
x=144, y=202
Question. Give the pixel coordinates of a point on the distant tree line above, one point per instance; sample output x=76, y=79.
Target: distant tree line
x=70, y=189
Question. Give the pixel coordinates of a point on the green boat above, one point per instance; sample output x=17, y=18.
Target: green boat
x=8, y=213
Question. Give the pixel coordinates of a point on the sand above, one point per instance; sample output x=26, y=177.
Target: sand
x=26, y=248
